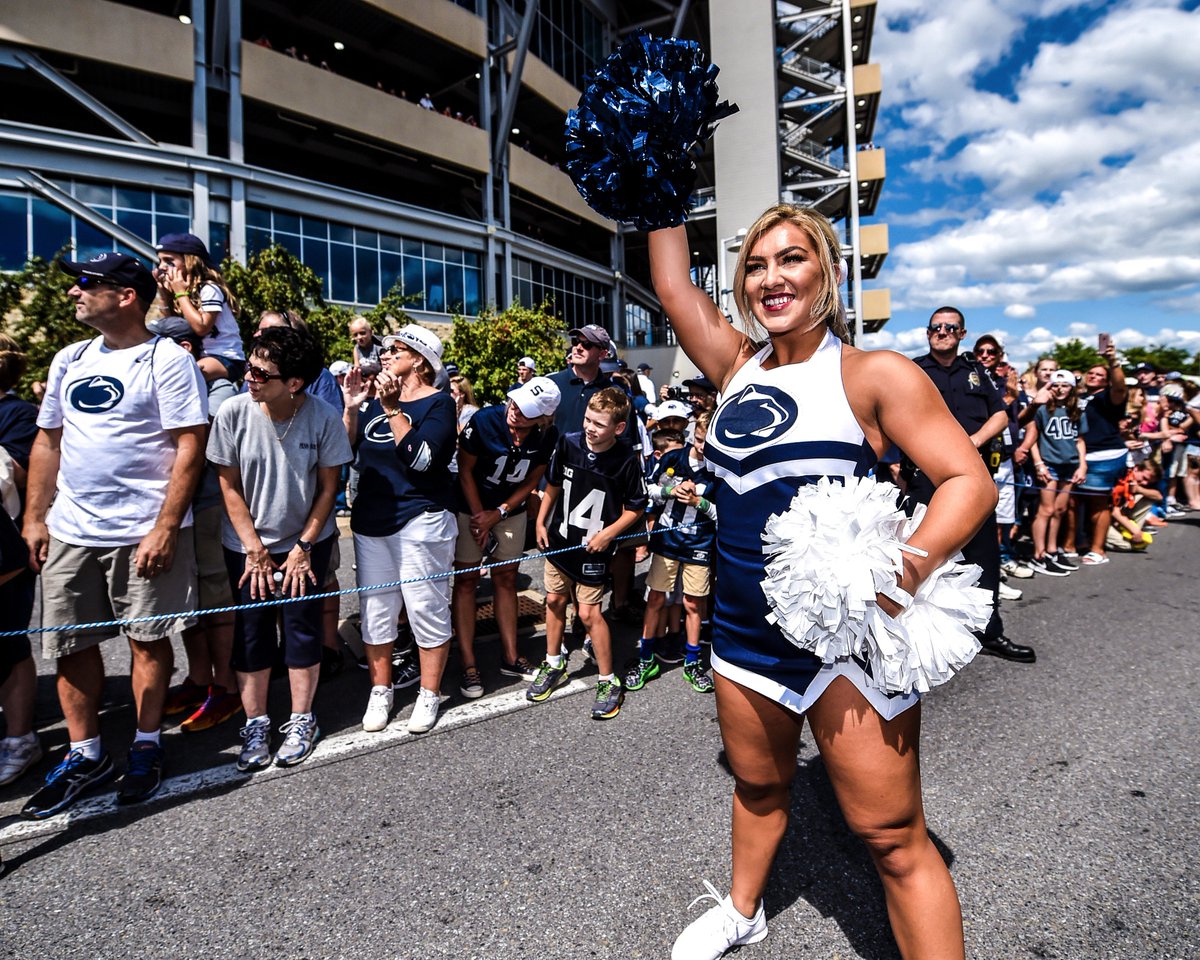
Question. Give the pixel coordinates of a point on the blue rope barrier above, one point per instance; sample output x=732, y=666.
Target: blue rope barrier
x=281, y=601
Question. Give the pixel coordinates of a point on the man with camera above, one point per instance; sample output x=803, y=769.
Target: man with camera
x=978, y=406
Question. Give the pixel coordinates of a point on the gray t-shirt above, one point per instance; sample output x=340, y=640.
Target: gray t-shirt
x=278, y=466
x=1057, y=436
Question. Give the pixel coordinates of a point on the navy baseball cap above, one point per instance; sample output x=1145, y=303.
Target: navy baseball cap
x=118, y=268
x=701, y=383
x=173, y=328
x=644, y=366
x=186, y=243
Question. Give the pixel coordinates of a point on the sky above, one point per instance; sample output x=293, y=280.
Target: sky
x=1043, y=170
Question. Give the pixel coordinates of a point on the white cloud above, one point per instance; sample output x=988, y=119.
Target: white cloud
x=1090, y=185
x=1024, y=349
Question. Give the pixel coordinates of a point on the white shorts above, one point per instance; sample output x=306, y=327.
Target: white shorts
x=425, y=545
x=1006, y=506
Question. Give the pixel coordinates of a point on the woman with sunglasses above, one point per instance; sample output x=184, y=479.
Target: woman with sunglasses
x=403, y=429
x=278, y=453
x=798, y=402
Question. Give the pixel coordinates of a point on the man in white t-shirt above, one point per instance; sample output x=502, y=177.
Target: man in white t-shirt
x=119, y=451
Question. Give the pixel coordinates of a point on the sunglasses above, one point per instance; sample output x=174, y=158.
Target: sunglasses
x=84, y=282
x=259, y=375
x=986, y=352
x=577, y=342
x=944, y=328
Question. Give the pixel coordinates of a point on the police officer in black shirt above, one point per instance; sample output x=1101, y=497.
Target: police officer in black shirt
x=979, y=408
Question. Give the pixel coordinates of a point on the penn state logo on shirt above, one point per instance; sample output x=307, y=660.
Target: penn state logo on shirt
x=380, y=431
x=758, y=415
x=95, y=394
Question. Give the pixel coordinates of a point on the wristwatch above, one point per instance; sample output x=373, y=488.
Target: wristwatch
x=304, y=545
x=503, y=511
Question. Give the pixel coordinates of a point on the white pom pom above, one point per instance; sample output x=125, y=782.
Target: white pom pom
x=832, y=551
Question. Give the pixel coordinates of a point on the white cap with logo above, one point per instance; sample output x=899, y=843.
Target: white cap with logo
x=538, y=397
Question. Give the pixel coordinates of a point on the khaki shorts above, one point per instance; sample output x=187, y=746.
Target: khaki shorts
x=510, y=540
x=558, y=582
x=664, y=571
x=215, y=590
x=89, y=584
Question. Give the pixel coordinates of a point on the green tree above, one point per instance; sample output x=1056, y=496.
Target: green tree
x=276, y=279
x=486, y=349
x=1074, y=355
x=39, y=315
x=1163, y=358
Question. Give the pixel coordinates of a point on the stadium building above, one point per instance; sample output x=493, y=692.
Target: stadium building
x=418, y=141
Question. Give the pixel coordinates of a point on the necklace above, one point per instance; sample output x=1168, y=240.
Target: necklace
x=291, y=420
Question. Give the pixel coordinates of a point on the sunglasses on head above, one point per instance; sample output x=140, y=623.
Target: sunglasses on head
x=259, y=375
x=578, y=342
x=944, y=328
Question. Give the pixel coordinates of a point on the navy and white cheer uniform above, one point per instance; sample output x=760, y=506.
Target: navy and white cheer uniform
x=775, y=431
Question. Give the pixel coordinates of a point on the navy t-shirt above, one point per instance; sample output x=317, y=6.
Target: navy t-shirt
x=395, y=483
x=596, y=490
x=500, y=465
x=1101, y=430
x=18, y=427
x=683, y=532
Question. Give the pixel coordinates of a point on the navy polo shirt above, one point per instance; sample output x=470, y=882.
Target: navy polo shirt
x=967, y=389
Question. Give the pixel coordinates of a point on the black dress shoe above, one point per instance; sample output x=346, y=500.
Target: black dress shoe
x=1007, y=650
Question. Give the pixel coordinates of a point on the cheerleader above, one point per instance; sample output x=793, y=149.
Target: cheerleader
x=799, y=403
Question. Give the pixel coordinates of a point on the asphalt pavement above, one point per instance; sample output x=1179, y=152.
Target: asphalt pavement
x=1063, y=795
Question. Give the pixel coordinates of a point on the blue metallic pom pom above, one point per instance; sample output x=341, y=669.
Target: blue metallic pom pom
x=642, y=121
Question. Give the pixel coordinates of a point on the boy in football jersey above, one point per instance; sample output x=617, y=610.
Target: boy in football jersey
x=684, y=536
x=594, y=493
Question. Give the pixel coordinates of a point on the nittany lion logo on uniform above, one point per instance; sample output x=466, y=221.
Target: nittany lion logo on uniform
x=380, y=431
x=95, y=394
x=757, y=415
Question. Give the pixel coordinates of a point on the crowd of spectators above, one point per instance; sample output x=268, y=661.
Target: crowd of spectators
x=1086, y=463
x=170, y=469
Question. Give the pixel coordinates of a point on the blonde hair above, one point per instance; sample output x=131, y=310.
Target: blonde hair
x=828, y=251
x=199, y=273
x=464, y=388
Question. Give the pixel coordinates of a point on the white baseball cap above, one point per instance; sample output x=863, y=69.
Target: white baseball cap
x=538, y=397
x=338, y=367
x=672, y=408
x=425, y=342
x=527, y=362
x=1062, y=376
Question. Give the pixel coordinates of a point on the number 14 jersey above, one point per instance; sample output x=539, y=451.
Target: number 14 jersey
x=596, y=489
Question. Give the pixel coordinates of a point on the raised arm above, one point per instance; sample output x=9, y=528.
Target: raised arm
x=708, y=339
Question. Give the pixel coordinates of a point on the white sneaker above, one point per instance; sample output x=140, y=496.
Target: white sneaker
x=425, y=711
x=717, y=929
x=18, y=754
x=379, y=708
x=1009, y=593
x=1015, y=568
